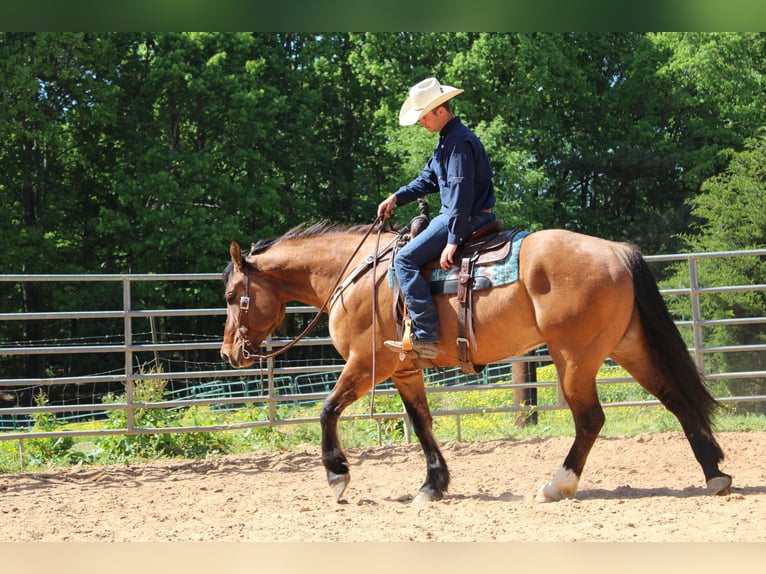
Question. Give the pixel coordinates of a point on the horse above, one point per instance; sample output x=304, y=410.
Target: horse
x=585, y=298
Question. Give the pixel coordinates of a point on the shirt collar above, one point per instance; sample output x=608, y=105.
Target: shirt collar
x=449, y=126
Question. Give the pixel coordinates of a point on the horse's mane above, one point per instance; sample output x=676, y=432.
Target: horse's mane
x=304, y=230
x=301, y=231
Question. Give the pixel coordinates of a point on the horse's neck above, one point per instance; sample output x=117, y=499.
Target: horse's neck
x=308, y=269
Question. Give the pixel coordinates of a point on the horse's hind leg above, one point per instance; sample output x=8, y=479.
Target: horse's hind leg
x=578, y=384
x=681, y=390
x=413, y=394
x=696, y=428
x=653, y=351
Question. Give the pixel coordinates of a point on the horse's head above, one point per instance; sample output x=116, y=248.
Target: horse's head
x=253, y=309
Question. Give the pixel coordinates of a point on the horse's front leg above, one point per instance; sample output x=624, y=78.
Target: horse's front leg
x=351, y=386
x=412, y=391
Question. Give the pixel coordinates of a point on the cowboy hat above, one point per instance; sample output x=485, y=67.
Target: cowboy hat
x=424, y=97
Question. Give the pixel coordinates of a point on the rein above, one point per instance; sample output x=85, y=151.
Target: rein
x=374, y=314
x=244, y=306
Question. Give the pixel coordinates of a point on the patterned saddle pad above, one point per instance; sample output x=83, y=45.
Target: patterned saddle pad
x=498, y=265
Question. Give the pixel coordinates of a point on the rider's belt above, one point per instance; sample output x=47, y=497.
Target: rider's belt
x=488, y=210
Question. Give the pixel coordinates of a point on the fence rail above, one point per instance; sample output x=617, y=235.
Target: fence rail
x=272, y=384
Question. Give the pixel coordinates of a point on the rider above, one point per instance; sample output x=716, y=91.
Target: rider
x=460, y=171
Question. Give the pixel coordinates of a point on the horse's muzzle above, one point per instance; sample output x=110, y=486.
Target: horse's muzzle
x=233, y=358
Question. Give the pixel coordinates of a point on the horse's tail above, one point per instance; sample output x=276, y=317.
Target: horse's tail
x=685, y=393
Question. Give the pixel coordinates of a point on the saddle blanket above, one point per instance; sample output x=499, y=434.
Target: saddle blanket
x=484, y=275
x=500, y=272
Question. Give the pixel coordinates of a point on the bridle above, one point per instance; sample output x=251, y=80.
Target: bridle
x=244, y=303
x=244, y=307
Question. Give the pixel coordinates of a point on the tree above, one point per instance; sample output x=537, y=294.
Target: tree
x=47, y=80
x=730, y=213
x=386, y=66
x=149, y=152
x=604, y=133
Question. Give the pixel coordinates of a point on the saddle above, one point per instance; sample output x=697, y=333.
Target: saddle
x=487, y=246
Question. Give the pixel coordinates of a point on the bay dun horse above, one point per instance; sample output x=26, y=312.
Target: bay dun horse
x=583, y=297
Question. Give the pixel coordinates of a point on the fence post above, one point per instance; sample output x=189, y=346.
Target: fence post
x=694, y=282
x=270, y=365
x=526, y=397
x=153, y=327
x=22, y=455
x=128, y=333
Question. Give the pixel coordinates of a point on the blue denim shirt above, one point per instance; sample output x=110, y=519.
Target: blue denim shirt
x=460, y=171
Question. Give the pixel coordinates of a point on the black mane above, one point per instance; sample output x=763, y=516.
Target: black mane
x=301, y=231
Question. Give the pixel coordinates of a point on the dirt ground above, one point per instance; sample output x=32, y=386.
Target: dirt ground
x=646, y=488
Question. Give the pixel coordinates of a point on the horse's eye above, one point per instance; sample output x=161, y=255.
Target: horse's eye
x=230, y=298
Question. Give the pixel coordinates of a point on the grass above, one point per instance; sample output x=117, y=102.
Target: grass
x=356, y=428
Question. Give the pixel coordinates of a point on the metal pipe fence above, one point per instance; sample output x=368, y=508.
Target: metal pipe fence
x=275, y=384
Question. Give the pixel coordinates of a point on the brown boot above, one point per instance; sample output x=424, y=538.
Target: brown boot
x=424, y=349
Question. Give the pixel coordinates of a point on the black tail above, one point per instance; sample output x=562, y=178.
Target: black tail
x=685, y=393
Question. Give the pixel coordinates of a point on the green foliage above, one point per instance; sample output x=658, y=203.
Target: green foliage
x=365, y=431
x=124, y=447
x=730, y=213
x=148, y=152
x=54, y=450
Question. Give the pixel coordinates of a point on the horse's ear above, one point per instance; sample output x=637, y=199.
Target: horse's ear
x=236, y=254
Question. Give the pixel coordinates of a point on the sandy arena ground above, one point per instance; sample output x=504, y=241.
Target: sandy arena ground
x=646, y=488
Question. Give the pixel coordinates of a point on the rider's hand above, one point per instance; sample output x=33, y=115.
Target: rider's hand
x=386, y=207
x=448, y=256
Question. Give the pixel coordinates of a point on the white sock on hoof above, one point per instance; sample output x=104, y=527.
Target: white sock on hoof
x=562, y=485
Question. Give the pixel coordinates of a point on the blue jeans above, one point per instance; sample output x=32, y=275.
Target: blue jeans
x=425, y=247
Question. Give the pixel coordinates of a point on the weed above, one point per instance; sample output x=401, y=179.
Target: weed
x=356, y=428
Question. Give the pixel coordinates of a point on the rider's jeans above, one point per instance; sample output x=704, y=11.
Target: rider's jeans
x=425, y=247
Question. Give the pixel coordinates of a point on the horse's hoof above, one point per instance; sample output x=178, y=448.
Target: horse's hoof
x=562, y=485
x=547, y=493
x=720, y=485
x=424, y=496
x=338, y=484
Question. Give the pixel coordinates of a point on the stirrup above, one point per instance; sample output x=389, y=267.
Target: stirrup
x=423, y=350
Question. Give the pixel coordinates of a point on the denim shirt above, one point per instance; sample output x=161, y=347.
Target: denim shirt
x=460, y=171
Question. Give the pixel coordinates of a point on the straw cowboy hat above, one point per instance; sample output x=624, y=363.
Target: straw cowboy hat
x=424, y=97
